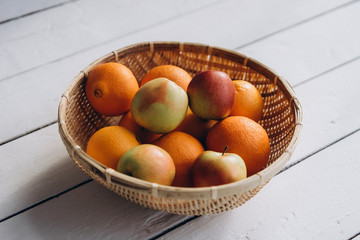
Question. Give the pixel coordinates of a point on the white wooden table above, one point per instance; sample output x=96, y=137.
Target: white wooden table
x=314, y=44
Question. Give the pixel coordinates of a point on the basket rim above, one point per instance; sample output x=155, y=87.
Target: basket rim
x=113, y=177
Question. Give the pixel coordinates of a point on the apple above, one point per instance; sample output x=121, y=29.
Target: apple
x=211, y=95
x=159, y=105
x=214, y=168
x=148, y=162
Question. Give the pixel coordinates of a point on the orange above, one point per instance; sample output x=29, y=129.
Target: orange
x=171, y=72
x=248, y=101
x=110, y=88
x=244, y=137
x=184, y=149
x=142, y=134
x=195, y=126
x=128, y=122
x=108, y=144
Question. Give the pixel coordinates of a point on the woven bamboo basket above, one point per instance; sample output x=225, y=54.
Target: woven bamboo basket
x=282, y=117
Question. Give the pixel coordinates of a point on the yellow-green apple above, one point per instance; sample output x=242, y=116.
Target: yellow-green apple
x=211, y=94
x=148, y=162
x=159, y=105
x=214, y=168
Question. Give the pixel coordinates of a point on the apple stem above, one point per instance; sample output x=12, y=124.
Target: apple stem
x=226, y=147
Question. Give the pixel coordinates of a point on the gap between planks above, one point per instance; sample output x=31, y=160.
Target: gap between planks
x=319, y=150
x=294, y=86
x=27, y=133
x=327, y=71
x=236, y=49
x=193, y=217
x=116, y=38
x=355, y=236
x=37, y=11
x=166, y=231
x=179, y=16
x=46, y=199
x=247, y=44
x=297, y=24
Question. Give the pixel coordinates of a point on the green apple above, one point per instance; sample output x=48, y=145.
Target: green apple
x=160, y=105
x=148, y=162
x=214, y=168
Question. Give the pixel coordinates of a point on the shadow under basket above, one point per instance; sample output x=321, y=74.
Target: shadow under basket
x=282, y=117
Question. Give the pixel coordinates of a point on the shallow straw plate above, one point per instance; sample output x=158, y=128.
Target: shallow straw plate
x=282, y=118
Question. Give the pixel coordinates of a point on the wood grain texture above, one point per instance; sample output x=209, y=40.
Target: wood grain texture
x=330, y=109
x=316, y=134
x=322, y=52
x=88, y=212
x=35, y=167
x=317, y=199
x=75, y=27
x=56, y=75
x=312, y=47
x=15, y=9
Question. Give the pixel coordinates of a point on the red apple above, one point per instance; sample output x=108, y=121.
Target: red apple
x=214, y=168
x=211, y=95
x=148, y=162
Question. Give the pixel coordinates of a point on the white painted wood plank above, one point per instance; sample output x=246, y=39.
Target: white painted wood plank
x=17, y=92
x=312, y=47
x=318, y=131
x=330, y=105
x=66, y=204
x=10, y=9
x=77, y=26
x=316, y=199
x=356, y=238
x=35, y=167
x=88, y=212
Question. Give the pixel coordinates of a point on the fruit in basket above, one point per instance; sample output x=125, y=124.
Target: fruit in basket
x=110, y=88
x=146, y=136
x=148, y=162
x=159, y=106
x=195, y=126
x=244, y=137
x=184, y=149
x=215, y=168
x=108, y=144
x=128, y=122
x=171, y=72
x=248, y=101
x=142, y=134
x=211, y=95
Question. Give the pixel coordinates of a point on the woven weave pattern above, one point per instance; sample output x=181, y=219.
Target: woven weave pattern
x=281, y=119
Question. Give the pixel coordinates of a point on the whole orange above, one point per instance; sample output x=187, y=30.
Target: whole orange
x=248, y=101
x=110, y=88
x=244, y=137
x=171, y=72
x=195, y=126
x=184, y=149
x=108, y=144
